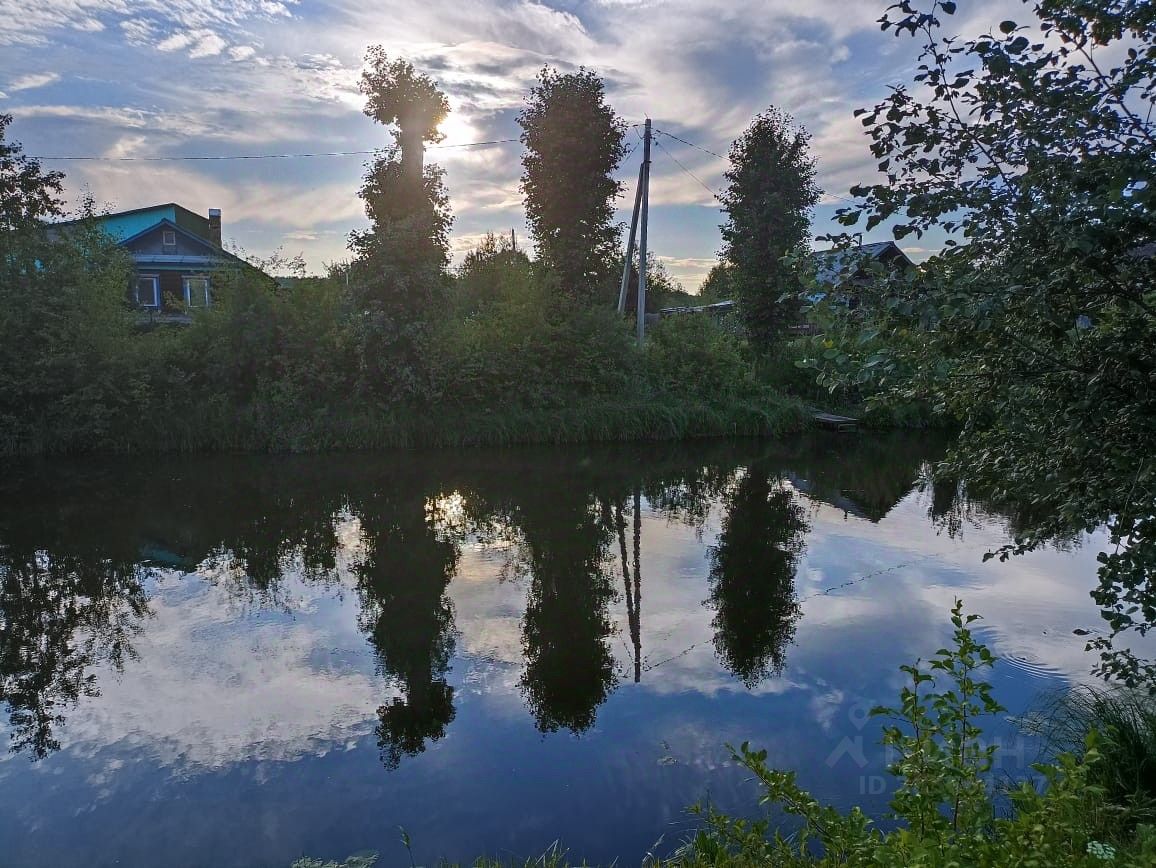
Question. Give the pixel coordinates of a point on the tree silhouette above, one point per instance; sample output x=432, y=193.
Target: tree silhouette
x=398, y=276
x=396, y=93
x=574, y=142
x=770, y=193
x=409, y=619
x=569, y=667
x=752, y=576
x=63, y=612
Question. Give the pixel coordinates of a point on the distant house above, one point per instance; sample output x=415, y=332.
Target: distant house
x=837, y=271
x=843, y=270
x=718, y=309
x=175, y=252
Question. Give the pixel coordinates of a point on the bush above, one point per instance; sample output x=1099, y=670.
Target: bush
x=695, y=355
x=530, y=349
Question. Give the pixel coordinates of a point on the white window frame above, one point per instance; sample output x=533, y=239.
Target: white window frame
x=185, y=285
x=168, y=238
x=156, y=282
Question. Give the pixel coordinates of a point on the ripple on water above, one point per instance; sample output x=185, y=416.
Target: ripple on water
x=1025, y=662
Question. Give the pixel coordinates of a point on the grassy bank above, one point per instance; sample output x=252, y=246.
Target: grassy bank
x=261, y=428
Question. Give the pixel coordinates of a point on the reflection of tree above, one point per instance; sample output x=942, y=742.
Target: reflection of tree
x=956, y=504
x=752, y=576
x=61, y=615
x=409, y=619
x=569, y=668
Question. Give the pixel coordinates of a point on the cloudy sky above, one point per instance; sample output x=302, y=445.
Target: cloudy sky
x=158, y=78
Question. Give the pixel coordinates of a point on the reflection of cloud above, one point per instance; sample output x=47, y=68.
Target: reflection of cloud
x=220, y=682
x=213, y=687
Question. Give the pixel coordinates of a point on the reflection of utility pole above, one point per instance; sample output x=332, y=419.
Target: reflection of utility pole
x=640, y=215
x=632, y=595
x=636, y=626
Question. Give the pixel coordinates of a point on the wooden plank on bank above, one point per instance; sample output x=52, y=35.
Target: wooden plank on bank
x=836, y=423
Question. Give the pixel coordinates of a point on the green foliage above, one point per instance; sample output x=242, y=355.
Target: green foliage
x=692, y=354
x=770, y=193
x=387, y=350
x=485, y=272
x=944, y=803
x=662, y=290
x=719, y=284
x=525, y=349
x=64, y=325
x=1036, y=326
x=396, y=93
x=574, y=142
x=397, y=277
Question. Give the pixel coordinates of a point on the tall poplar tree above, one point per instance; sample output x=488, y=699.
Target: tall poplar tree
x=399, y=269
x=768, y=203
x=574, y=143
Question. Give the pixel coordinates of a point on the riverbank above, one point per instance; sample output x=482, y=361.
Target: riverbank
x=265, y=428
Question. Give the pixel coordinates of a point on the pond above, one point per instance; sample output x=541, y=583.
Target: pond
x=237, y=660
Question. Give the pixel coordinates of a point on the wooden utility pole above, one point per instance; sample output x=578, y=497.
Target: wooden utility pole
x=629, y=262
x=642, y=234
x=641, y=211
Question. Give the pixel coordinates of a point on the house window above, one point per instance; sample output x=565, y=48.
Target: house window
x=169, y=238
x=197, y=291
x=147, y=291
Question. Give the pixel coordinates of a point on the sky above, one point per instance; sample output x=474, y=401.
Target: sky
x=163, y=78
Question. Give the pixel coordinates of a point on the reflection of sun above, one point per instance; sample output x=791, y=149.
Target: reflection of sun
x=447, y=513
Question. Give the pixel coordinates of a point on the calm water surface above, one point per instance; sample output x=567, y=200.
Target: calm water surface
x=235, y=661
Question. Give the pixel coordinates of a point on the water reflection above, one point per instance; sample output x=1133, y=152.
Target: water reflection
x=752, y=575
x=75, y=555
x=401, y=582
x=71, y=598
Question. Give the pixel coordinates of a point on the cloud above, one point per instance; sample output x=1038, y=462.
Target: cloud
x=253, y=76
x=32, y=81
x=33, y=22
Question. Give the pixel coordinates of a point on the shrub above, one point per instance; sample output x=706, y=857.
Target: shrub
x=694, y=355
x=530, y=349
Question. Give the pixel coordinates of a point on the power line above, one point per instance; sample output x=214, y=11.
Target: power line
x=214, y=158
x=688, y=171
x=721, y=157
x=691, y=144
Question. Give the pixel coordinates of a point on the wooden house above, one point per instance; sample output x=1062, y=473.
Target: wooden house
x=175, y=253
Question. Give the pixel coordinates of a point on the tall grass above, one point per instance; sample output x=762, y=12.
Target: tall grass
x=266, y=428
x=1125, y=722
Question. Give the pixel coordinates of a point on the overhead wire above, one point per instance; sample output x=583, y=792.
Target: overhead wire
x=690, y=144
x=221, y=157
x=721, y=157
x=689, y=172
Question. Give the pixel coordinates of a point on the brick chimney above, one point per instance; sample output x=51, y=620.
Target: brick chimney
x=215, y=226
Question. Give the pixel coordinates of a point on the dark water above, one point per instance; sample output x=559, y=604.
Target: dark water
x=234, y=661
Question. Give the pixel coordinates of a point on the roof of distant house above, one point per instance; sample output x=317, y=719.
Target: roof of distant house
x=125, y=224
x=833, y=266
